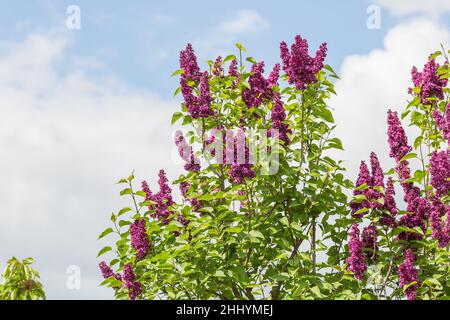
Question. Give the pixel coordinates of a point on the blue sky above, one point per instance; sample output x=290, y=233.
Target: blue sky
x=80, y=109
x=140, y=41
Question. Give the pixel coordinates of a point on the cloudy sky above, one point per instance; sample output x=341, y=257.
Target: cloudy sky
x=81, y=108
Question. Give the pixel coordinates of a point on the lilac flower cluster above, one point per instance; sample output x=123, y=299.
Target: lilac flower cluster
x=371, y=180
x=139, y=239
x=356, y=261
x=186, y=153
x=417, y=206
x=397, y=139
x=278, y=116
x=237, y=154
x=217, y=68
x=443, y=122
x=439, y=232
x=107, y=272
x=300, y=67
x=134, y=287
x=233, y=69
x=388, y=219
x=195, y=202
x=163, y=198
x=440, y=172
x=260, y=88
x=198, y=106
x=369, y=241
x=188, y=63
x=431, y=86
x=408, y=274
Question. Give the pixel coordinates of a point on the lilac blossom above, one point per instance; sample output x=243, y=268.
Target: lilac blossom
x=186, y=153
x=356, y=261
x=440, y=172
x=431, y=86
x=408, y=274
x=134, y=287
x=300, y=67
x=139, y=239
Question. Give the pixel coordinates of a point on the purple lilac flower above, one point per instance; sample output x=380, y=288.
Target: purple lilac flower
x=195, y=202
x=259, y=90
x=397, y=139
x=431, y=86
x=217, y=68
x=438, y=231
x=389, y=205
x=148, y=194
x=107, y=272
x=440, y=172
x=356, y=262
x=237, y=155
x=233, y=69
x=163, y=199
x=134, y=287
x=274, y=76
x=363, y=178
x=376, y=180
x=408, y=274
x=369, y=241
x=186, y=153
x=139, y=239
x=188, y=62
x=298, y=65
x=197, y=106
x=278, y=116
x=443, y=122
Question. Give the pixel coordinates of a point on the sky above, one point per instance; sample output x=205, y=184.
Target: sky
x=82, y=107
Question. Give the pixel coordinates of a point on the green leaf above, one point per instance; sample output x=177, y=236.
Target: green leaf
x=105, y=233
x=233, y=230
x=176, y=116
x=103, y=251
x=126, y=191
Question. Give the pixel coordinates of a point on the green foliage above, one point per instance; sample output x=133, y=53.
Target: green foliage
x=20, y=281
x=276, y=236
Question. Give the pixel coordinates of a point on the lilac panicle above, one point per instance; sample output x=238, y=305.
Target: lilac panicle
x=389, y=205
x=369, y=241
x=443, y=122
x=134, y=287
x=363, y=178
x=258, y=90
x=186, y=153
x=198, y=106
x=407, y=274
x=139, y=239
x=300, y=67
x=440, y=172
x=233, y=69
x=439, y=232
x=397, y=139
x=188, y=63
x=218, y=69
x=278, y=116
x=356, y=260
x=431, y=86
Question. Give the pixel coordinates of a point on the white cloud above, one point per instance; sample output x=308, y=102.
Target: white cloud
x=66, y=138
x=375, y=82
x=246, y=21
x=406, y=7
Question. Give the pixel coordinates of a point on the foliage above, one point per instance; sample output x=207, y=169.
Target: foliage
x=20, y=281
x=409, y=255
x=252, y=235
